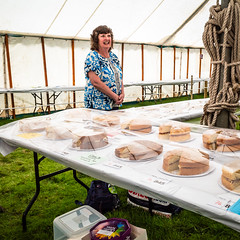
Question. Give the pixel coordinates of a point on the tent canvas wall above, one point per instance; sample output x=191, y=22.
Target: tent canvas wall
x=153, y=28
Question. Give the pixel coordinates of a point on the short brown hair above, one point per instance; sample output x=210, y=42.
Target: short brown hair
x=102, y=29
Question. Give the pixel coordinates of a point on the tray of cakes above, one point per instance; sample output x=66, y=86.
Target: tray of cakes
x=138, y=150
x=186, y=162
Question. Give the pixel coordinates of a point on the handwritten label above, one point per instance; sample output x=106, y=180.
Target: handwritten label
x=90, y=158
x=156, y=180
x=113, y=164
x=221, y=203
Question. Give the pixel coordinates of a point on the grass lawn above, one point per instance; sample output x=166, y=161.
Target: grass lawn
x=58, y=195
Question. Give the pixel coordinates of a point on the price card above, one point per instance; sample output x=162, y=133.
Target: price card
x=156, y=180
x=221, y=203
x=90, y=158
x=113, y=164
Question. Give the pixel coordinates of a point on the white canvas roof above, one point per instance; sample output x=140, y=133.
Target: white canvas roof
x=157, y=22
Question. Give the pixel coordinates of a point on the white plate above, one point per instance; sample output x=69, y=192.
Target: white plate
x=135, y=133
x=88, y=150
x=176, y=172
x=141, y=160
x=185, y=141
x=235, y=191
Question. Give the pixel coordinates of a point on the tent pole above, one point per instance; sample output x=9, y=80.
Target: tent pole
x=10, y=74
x=223, y=117
x=142, y=50
x=188, y=52
x=122, y=56
x=160, y=90
x=174, y=66
x=73, y=73
x=45, y=72
x=6, y=111
x=200, y=69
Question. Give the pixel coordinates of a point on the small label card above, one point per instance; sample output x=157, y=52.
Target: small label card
x=113, y=164
x=156, y=180
x=221, y=203
x=90, y=158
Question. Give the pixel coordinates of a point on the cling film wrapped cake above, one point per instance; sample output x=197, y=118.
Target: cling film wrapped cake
x=111, y=229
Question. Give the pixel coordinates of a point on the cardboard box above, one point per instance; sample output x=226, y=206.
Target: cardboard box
x=137, y=233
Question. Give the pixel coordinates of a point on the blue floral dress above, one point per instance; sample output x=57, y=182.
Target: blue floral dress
x=110, y=72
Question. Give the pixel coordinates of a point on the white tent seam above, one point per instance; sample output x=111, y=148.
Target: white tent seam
x=185, y=22
x=56, y=17
x=145, y=20
x=89, y=18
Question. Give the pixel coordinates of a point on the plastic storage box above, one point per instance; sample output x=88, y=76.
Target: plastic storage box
x=76, y=222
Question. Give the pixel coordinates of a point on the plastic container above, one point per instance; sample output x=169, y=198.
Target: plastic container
x=111, y=229
x=76, y=223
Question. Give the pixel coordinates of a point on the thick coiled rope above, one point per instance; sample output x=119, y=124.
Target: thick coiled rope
x=224, y=22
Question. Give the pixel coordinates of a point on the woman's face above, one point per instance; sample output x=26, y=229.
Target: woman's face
x=104, y=40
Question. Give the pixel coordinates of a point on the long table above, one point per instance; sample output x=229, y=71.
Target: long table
x=153, y=89
x=200, y=194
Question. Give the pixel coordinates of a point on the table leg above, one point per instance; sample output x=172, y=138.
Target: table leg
x=38, y=179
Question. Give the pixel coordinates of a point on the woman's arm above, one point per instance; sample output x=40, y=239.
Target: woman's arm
x=99, y=85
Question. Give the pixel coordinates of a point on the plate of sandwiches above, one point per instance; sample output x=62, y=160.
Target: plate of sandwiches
x=186, y=162
x=136, y=127
x=175, y=132
x=221, y=140
x=230, y=178
x=90, y=140
x=138, y=150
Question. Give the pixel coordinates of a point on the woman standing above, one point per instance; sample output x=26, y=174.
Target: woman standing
x=104, y=88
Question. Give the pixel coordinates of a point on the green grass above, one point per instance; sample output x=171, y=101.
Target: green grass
x=58, y=195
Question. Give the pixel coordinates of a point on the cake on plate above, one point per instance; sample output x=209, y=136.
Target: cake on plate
x=33, y=124
x=139, y=150
x=186, y=161
x=90, y=139
x=137, y=125
x=107, y=120
x=176, y=132
x=222, y=140
x=231, y=175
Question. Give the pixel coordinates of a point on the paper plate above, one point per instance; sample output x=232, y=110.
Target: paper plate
x=140, y=160
x=235, y=191
x=176, y=172
x=185, y=141
x=89, y=150
x=135, y=133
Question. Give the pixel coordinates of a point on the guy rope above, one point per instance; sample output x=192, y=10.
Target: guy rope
x=226, y=22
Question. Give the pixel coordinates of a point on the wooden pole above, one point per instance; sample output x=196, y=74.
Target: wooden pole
x=174, y=67
x=73, y=73
x=45, y=72
x=187, y=63
x=188, y=53
x=160, y=90
x=142, y=49
x=10, y=74
x=200, y=69
x=223, y=117
x=191, y=92
x=122, y=56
